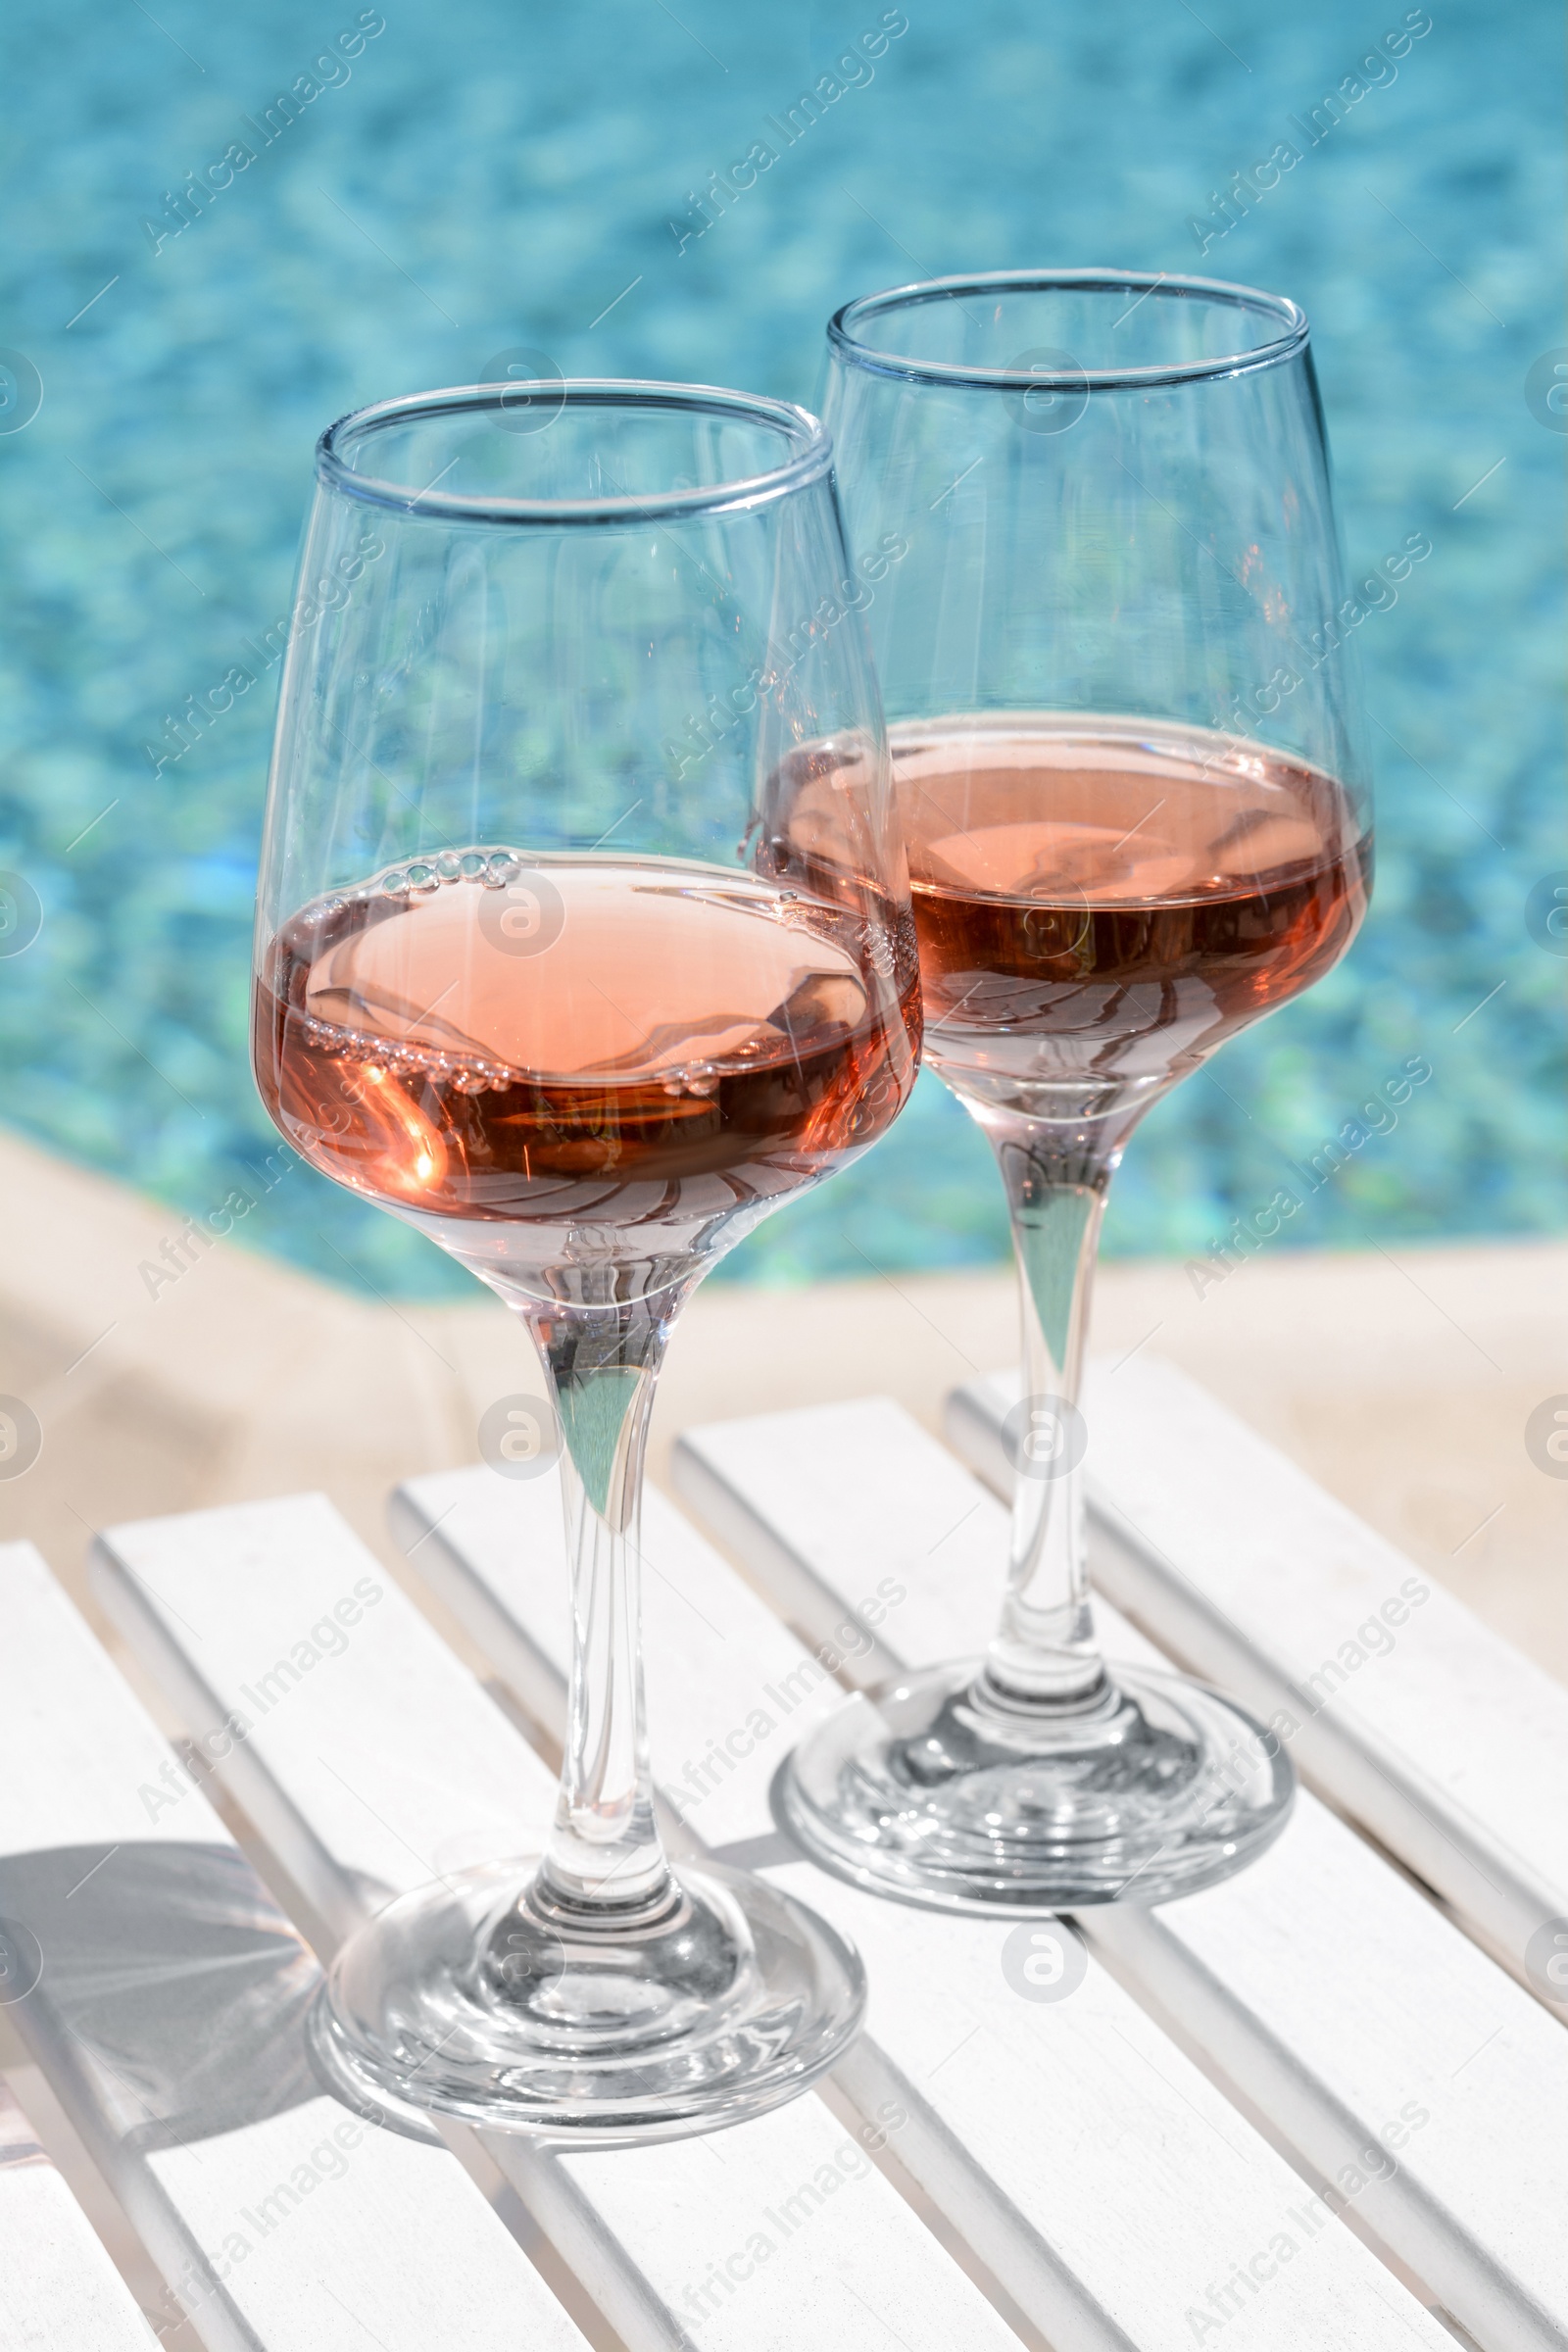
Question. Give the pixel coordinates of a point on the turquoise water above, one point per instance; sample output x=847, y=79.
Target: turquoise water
x=485, y=177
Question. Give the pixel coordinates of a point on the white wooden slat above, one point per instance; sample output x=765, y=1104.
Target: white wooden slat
x=1448, y=1743
x=59, y=2290
x=1334, y=1998
x=387, y=1762
x=1102, y=2176
x=166, y=2017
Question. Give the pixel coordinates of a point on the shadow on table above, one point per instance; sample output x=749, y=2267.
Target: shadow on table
x=162, y=1980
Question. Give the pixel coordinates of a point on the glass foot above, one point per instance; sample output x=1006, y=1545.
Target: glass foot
x=929, y=1790
x=478, y=1999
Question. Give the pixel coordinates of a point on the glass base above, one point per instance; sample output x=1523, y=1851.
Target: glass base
x=931, y=1789
x=477, y=1998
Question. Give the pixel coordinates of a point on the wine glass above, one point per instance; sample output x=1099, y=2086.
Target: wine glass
x=583, y=942
x=1129, y=763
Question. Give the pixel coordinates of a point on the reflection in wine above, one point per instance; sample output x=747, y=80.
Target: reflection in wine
x=682, y=1043
x=1100, y=903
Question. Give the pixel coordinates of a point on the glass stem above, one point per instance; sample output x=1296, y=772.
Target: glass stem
x=605, y=1855
x=1044, y=1655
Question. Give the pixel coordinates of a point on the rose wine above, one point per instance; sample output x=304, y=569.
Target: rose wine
x=1100, y=902
x=588, y=1043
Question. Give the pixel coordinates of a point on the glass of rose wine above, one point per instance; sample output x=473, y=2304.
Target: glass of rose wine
x=1128, y=757
x=584, y=940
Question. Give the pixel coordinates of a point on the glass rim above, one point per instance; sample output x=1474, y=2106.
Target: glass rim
x=811, y=457
x=1290, y=319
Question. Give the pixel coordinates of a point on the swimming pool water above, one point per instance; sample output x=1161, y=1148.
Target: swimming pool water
x=475, y=177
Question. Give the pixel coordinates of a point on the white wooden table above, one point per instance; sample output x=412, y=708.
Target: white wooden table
x=1323, y=2106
